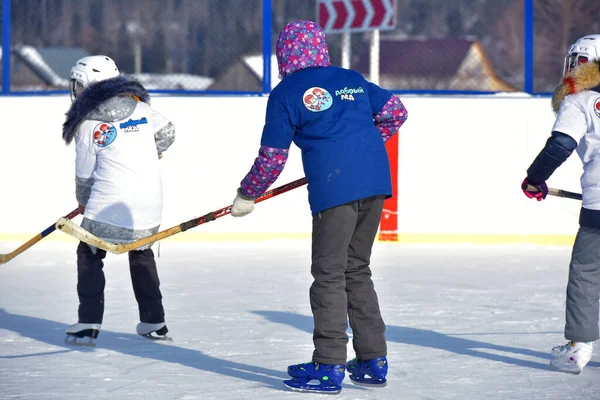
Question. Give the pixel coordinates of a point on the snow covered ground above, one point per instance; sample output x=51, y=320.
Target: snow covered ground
x=463, y=322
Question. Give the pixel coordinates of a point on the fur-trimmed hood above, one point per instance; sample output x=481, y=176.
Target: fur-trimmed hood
x=95, y=95
x=584, y=77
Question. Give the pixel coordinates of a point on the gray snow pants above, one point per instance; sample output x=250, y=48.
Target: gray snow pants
x=342, y=239
x=583, y=289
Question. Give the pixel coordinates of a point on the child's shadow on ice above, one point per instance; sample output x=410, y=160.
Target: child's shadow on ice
x=431, y=339
x=52, y=332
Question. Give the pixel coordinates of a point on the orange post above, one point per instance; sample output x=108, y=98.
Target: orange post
x=388, y=229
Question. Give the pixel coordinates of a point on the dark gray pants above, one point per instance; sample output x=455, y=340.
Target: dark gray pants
x=91, y=282
x=583, y=289
x=342, y=240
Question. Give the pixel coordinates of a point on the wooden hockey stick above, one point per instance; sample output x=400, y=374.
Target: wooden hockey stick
x=68, y=227
x=7, y=257
x=558, y=193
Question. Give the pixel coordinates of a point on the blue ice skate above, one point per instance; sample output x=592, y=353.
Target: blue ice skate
x=330, y=377
x=368, y=372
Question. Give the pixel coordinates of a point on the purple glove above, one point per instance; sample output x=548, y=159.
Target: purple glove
x=539, y=191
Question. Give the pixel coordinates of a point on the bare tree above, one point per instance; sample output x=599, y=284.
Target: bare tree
x=558, y=23
x=206, y=36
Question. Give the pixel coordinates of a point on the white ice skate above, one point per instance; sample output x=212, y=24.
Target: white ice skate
x=572, y=357
x=153, y=331
x=80, y=331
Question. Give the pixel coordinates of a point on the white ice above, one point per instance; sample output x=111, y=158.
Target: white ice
x=463, y=322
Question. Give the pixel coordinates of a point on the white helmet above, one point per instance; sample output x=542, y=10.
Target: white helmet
x=89, y=70
x=583, y=50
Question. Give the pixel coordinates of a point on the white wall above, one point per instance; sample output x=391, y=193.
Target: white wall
x=461, y=163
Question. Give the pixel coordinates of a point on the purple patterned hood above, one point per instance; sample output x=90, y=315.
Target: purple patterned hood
x=300, y=45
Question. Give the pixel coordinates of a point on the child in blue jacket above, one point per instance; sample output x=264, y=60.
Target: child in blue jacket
x=341, y=122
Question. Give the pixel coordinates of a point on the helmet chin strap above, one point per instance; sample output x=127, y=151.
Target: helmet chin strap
x=77, y=88
x=73, y=90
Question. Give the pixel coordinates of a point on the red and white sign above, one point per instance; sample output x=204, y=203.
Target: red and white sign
x=356, y=15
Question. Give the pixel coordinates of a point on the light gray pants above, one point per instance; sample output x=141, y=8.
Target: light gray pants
x=342, y=240
x=583, y=289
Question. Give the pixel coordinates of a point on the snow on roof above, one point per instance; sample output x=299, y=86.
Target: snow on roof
x=32, y=58
x=255, y=63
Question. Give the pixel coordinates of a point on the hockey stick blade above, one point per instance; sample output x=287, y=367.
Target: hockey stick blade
x=4, y=258
x=558, y=193
x=68, y=227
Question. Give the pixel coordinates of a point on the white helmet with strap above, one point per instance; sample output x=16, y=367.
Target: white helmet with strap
x=583, y=50
x=89, y=70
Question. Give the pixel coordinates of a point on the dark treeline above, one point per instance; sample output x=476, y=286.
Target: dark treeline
x=204, y=36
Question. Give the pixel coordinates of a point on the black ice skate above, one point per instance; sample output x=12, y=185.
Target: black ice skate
x=153, y=331
x=81, y=331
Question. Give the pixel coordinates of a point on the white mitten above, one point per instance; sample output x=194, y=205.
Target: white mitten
x=242, y=205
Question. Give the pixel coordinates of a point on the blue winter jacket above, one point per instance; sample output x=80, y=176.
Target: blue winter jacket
x=328, y=113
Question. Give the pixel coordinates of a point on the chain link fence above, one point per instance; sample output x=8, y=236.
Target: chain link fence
x=450, y=45
x=1, y=76
x=190, y=45
x=217, y=45
x=557, y=24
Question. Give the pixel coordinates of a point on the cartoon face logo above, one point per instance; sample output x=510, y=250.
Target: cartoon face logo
x=597, y=107
x=104, y=134
x=317, y=99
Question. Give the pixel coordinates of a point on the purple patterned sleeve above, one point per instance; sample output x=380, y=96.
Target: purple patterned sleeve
x=390, y=118
x=267, y=167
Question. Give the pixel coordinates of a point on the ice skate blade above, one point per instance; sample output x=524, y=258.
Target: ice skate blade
x=369, y=383
x=71, y=340
x=164, y=338
x=312, y=389
x=555, y=368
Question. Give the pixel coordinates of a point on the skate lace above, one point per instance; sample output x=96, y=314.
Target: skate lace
x=564, y=348
x=569, y=345
x=572, y=347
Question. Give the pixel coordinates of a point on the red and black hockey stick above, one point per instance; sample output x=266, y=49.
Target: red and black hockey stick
x=564, y=193
x=67, y=226
x=7, y=257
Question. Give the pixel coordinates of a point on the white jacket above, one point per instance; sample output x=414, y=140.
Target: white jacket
x=119, y=138
x=122, y=159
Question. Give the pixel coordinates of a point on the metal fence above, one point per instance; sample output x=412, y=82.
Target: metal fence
x=227, y=46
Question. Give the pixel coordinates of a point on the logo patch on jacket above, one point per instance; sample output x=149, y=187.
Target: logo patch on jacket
x=131, y=125
x=597, y=107
x=317, y=99
x=104, y=134
x=348, y=94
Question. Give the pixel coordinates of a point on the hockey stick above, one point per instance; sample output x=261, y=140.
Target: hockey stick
x=68, y=227
x=7, y=257
x=558, y=193
x=564, y=193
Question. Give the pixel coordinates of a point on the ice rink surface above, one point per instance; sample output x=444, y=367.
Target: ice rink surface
x=463, y=322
